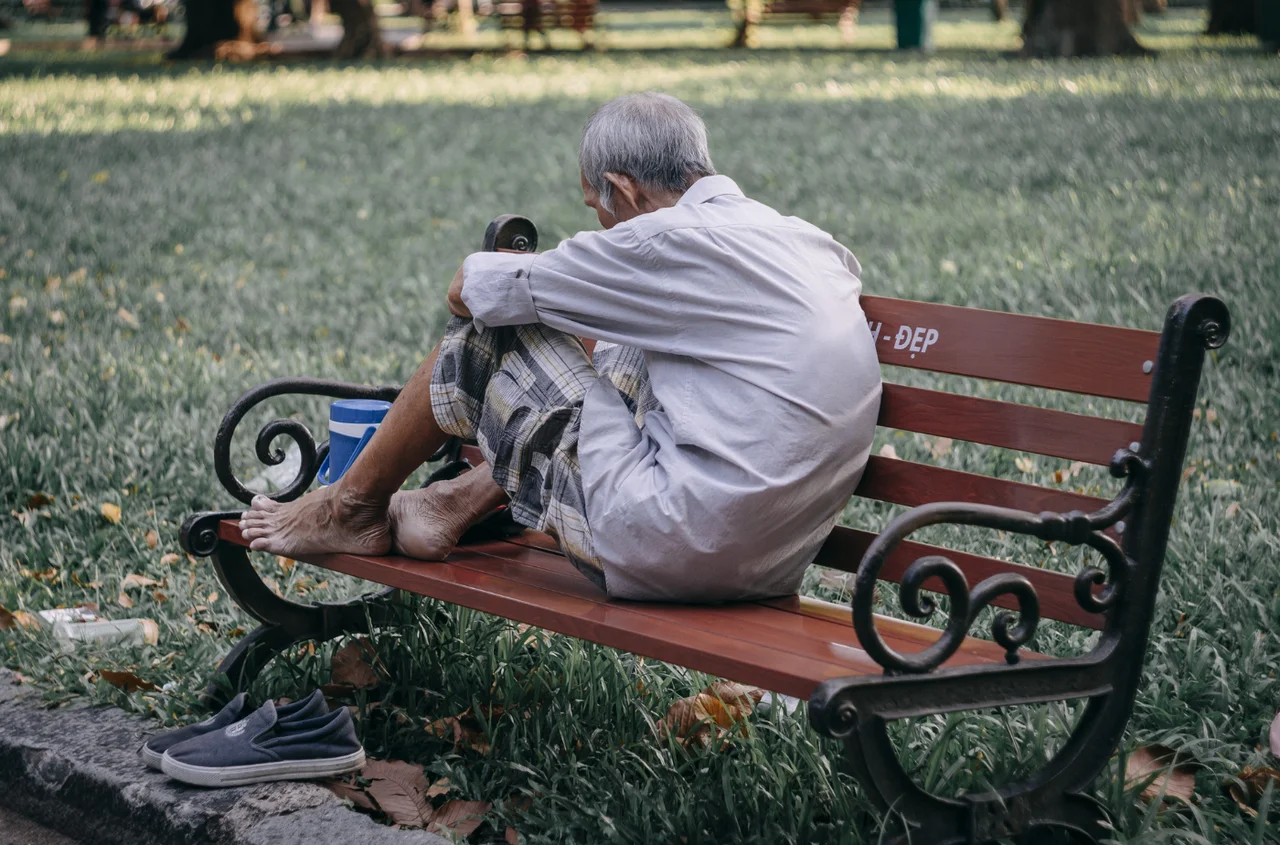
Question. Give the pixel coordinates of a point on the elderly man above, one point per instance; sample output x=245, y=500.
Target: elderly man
x=702, y=453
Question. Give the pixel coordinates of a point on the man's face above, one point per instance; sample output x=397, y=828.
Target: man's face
x=592, y=200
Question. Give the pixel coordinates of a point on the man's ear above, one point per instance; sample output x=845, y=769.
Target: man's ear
x=626, y=195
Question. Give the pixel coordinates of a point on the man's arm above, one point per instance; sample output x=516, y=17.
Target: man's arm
x=607, y=285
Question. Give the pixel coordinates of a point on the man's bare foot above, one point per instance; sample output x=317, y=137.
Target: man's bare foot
x=326, y=521
x=427, y=523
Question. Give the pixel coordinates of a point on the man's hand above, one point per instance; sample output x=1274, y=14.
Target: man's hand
x=457, y=307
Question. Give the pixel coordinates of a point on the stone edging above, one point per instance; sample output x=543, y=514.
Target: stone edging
x=76, y=770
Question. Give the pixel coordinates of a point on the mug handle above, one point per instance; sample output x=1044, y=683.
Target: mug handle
x=323, y=473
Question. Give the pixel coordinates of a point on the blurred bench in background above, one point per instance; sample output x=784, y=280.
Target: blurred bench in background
x=751, y=13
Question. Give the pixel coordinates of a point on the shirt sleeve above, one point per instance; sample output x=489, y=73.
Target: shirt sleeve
x=495, y=288
x=606, y=285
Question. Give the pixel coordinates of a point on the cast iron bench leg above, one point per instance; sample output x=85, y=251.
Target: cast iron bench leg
x=284, y=623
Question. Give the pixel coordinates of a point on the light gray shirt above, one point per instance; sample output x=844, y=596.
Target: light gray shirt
x=765, y=370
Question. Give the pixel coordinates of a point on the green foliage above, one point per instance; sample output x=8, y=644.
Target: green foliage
x=170, y=236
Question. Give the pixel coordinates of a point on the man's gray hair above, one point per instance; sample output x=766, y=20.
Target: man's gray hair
x=654, y=138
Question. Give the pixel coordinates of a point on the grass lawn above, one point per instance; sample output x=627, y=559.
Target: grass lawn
x=172, y=235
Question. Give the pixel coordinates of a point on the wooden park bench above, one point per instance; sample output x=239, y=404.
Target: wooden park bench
x=751, y=13
x=861, y=670
x=530, y=16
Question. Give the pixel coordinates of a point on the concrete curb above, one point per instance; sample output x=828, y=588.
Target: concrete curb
x=76, y=770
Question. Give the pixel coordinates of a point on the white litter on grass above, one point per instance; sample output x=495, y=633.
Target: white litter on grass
x=786, y=703
x=278, y=477
x=68, y=614
x=125, y=632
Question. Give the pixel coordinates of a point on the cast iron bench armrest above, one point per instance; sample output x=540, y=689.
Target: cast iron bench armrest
x=1074, y=528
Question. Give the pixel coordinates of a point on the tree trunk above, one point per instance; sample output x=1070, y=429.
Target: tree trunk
x=219, y=29
x=1155, y=7
x=1233, y=17
x=1000, y=9
x=1080, y=28
x=360, y=33
x=96, y=13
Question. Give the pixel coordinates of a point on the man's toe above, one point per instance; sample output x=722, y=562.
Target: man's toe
x=263, y=504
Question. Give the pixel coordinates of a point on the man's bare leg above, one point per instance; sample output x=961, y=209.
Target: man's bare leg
x=353, y=515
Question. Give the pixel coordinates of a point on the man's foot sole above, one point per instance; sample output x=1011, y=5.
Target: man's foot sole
x=262, y=772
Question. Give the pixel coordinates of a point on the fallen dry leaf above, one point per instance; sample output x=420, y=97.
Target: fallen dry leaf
x=351, y=665
x=134, y=581
x=169, y=559
x=1025, y=465
x=723, y=704
x=126, y=317
x=285, y=563
x=111, y=513
x=38, y=501
x=348, y=789
x=1275, y=736
x=126, y=681
x=887, y=451
x=1161, y=773
x=123, y=600
x=460, y=818
x=152, y=539
x=1249, y=785
x=1232, y=510
x=10, y=620
x=400, y=791
x=464, y=732
x=940, y=447
x=511, y=836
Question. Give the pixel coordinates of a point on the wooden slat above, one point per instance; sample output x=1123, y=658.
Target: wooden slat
x=1058, y=434
x=698, y=637
x=844, y=549
x=556, y=573
x=751, y=622
x=912, y=484
x=1037, y=351
x=846, y=546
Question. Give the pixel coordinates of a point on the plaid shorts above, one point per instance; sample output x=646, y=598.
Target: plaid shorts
x=517, y=391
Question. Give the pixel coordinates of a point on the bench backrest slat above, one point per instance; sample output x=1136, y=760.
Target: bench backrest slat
x=912, y=484
x=1037, y=351
x=1057, y=434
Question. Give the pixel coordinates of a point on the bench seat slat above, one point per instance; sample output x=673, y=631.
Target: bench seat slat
x=845, y=547
x=1036, y=351
x=521, y=583
x=1057, y=434
x=554, y=573
x=912, y=484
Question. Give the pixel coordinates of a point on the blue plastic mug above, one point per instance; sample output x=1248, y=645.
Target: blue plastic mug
x=352, y=424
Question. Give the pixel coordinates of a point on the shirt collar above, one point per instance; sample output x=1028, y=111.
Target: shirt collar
x=708, y=188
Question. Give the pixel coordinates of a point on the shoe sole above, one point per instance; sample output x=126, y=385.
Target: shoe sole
x=262, y=772
x=152, y=759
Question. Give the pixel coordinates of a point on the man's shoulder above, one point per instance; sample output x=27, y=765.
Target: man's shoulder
x=723, y=212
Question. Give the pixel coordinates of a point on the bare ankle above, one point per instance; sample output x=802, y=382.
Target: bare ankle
x=351, y=504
